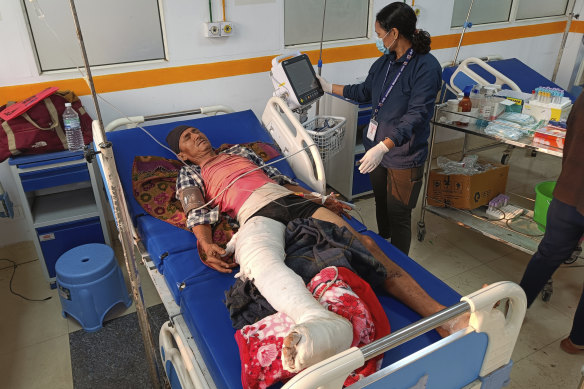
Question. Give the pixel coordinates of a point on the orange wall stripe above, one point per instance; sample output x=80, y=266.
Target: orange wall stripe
x=505, y=34
x=577, y=26
x=190, y=73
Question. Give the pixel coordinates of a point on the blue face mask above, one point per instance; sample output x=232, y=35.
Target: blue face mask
x=381, y=47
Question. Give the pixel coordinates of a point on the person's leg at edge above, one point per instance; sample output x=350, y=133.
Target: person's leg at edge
x=378, y=178
x=574, y=343
x=398, y=283
x=564, y=227
x=318, y=333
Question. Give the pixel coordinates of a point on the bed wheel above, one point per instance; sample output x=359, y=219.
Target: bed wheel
x=421, y=231
x=548, y=290
x=507, y=154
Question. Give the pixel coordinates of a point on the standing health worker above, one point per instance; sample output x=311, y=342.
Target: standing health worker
x=564, y=225
x=402, y=86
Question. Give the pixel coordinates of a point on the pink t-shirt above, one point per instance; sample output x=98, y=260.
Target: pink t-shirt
x=220, y=171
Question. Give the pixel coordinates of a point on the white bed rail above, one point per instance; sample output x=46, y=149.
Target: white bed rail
x=173, y=349
x=134, y=121
x=500, y=78
x=502, y=332
x=307, y=165
x=486, y=58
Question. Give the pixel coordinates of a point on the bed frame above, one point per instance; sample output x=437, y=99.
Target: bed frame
x=197, y=345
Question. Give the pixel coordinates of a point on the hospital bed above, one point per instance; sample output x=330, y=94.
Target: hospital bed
x=197, y=344
x=510, y=73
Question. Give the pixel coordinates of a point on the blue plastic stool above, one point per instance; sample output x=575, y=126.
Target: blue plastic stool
x=90, y=283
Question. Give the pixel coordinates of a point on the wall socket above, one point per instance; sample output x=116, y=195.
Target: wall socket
x=212, y=30
x=226, y=28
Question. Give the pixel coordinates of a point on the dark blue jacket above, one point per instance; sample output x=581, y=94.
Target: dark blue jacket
x=405, y=116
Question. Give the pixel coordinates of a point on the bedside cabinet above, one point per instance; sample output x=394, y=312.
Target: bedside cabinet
x=61, y=202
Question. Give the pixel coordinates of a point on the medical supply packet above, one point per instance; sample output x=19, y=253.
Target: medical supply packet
x=468, y=166
x=513, y=125
x=551, y=136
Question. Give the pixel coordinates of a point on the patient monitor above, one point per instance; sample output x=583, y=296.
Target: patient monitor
x=295, y=81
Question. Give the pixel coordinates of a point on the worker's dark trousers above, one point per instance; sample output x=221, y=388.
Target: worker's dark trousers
x=564, y=228
x=396, y=193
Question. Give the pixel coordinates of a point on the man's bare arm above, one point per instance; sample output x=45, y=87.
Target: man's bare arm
x=204, y=237
x=331, y=202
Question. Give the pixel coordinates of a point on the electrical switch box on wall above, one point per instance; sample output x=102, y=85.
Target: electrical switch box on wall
x=226, y=28
x=212, y=30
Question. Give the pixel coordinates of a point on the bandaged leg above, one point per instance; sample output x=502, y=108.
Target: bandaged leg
x=318, y=333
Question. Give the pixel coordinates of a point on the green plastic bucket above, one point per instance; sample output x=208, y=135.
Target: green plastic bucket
x=543, y=197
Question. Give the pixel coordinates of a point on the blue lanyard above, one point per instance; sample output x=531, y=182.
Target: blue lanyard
x=382, y=100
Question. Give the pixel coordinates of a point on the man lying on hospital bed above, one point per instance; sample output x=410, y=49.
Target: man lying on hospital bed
x=237, y=182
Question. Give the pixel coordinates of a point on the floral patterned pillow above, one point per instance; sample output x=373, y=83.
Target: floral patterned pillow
x=154, y=186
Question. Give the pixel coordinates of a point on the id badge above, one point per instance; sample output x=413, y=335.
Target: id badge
x=372, y=130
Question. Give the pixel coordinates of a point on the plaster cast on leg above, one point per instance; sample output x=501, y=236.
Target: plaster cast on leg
x=318, y=333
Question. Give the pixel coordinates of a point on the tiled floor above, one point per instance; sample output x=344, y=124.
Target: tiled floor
x=34, y=337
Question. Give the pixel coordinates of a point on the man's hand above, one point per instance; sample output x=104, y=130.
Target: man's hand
x=336, y=206
x=214, y=259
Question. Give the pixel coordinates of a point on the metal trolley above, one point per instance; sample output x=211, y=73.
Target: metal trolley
x=494, y=230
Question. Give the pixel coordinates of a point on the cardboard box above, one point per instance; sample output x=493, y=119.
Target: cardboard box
x=466, y=192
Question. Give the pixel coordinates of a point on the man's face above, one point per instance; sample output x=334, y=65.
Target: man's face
x=193, y=144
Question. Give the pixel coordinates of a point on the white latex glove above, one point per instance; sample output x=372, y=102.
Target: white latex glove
x=372, y=158
x=327, y=87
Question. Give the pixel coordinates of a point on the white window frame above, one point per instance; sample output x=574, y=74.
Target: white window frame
x=73, y=69
x=513, y=16
x=334, y=42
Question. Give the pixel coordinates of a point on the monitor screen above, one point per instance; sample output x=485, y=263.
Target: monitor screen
x=301, y=75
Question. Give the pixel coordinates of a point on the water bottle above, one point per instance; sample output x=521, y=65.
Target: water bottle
x=72, y=129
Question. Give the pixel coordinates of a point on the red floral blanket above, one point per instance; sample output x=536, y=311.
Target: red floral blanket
x=340, y=291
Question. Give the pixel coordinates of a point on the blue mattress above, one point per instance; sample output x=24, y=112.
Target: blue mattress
x=201, y=298
x=182, y=268
x=208, y=320
x=162, y=239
